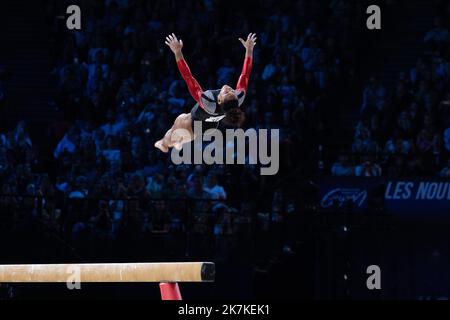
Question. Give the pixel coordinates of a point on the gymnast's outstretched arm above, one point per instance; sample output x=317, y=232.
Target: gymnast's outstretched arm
x=248, y=44
x=194, y=87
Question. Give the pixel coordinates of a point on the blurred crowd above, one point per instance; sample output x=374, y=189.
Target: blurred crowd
x=405, y=131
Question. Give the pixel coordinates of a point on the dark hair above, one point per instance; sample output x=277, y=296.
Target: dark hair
x=230, y=104
x=234, y=117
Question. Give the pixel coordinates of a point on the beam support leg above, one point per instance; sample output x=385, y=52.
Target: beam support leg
x=170, y=291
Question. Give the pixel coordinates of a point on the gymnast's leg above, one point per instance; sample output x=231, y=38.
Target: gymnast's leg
x=180, y=133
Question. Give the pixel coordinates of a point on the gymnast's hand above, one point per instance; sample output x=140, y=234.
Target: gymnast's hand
x=249, y=44
x=174, y=44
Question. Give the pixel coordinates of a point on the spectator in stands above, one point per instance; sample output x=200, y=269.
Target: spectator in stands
x=447, y=139
x=199, y=193
x=80, y=188
x=438, y=35
x=160, y=218
x=69, y=143
x=423, y=141
x=102, y=220
x=21, y=137
x=342, y=167
x=212, y=186
x=311, y=54
x=373, y=96
x=155, y=184
x=368, y=168
x=445, y=172
x=362, y=141
x=398, y=146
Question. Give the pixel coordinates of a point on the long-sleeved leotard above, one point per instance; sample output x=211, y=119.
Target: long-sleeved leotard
x=194, y=87
x=245, y=75
x=206, y=99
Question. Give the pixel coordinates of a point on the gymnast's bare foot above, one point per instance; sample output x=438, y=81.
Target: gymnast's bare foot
x=161, y=146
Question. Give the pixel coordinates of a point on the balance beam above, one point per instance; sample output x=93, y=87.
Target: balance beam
x=110, y=272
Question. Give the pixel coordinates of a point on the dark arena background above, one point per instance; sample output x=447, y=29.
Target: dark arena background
x=360, y=206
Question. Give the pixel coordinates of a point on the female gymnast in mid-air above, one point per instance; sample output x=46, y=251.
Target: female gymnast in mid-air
x=212, y=106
